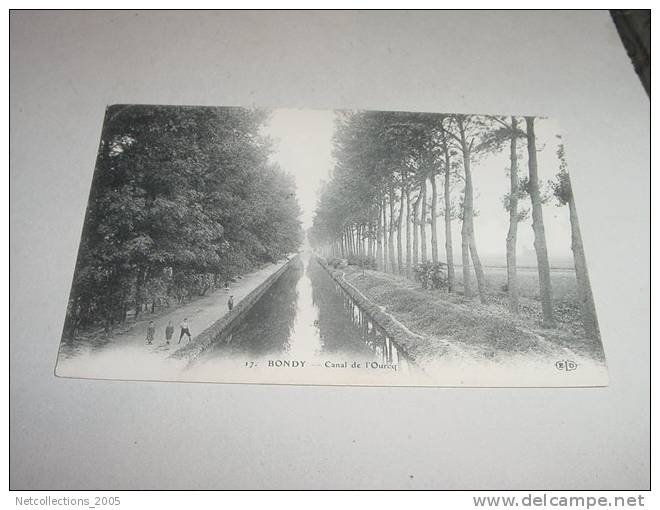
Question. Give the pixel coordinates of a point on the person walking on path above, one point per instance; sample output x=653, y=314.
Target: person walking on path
x=151, y=331
x=230, y=303
x=169, y=331
x=185, y=330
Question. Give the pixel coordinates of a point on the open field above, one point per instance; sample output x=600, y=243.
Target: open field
x=564, y=285
x=564, y=289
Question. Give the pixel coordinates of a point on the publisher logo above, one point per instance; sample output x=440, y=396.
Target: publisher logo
x=567, y=365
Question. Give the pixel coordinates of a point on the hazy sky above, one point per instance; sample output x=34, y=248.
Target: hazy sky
x=303, y=145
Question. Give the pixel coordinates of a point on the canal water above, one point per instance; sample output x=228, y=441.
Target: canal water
x=306, y=315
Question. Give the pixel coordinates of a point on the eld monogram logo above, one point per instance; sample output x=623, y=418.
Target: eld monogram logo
x=566, y=365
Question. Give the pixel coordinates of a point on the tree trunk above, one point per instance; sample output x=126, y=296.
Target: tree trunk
x=139, y=284
x=511, y=238
x=468, y=219
x=390, y=241
x=539, y=230
x=372, y=241
x=415, y=222
x=385, y=258
x=408, y=235
x=422, y=222
x=399, y=241
x=379, y=240
x=585, y=295
x=449, y=248
x=478, y=269
x=354, y=244
x=360, y=240
x=465, y=248
x=434, y=219
x=360, y=233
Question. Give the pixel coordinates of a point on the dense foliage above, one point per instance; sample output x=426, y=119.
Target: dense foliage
x=362, y=261
x=396, y=173
x=182, y=199
x=432, y=275
x=384, y=187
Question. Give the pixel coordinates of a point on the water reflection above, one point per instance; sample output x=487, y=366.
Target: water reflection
x=306, y=315
x=305, y=339
x=267, y=326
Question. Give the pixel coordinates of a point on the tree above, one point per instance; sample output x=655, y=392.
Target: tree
x=422, y=219
x=512, y=235
x=399, y=244
x=181, y=196
x=416, y=226
x=466, y=136
x=502, y=133
x=539, y=229
x=449, y=249
x=563, y=193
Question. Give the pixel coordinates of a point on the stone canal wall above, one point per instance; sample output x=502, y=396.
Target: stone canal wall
x=397, y=331
x=228, y=322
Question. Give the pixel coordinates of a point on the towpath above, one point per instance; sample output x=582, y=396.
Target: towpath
x=130, y=347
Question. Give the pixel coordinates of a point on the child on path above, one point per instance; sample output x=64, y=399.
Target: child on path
x=169, y=331
x=184, y=330
x=230, y=303
x=151, y=330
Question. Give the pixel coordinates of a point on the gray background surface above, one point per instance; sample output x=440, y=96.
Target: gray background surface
x=66, y=67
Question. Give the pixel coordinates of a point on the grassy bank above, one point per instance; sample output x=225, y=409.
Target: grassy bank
x=481, y=331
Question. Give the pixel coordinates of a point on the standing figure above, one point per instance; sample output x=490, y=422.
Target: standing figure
x=185, y=330
x=230, y=303
x=151, y=330
x=169, y=331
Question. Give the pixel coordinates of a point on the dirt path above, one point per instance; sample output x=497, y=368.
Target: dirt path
x=201, y=314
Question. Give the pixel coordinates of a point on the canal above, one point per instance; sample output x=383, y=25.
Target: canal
x=306, y=315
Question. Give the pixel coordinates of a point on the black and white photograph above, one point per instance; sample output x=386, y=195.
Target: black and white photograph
x=230, y=244
x=363, y=250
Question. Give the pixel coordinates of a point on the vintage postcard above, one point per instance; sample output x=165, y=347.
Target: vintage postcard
x=247, y=245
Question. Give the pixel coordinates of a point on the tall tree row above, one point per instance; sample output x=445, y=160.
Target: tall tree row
x=396, y=173
x=182, y=198
x=385, y=164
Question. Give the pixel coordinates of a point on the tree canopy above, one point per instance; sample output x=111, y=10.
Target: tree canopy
x=181, y=197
